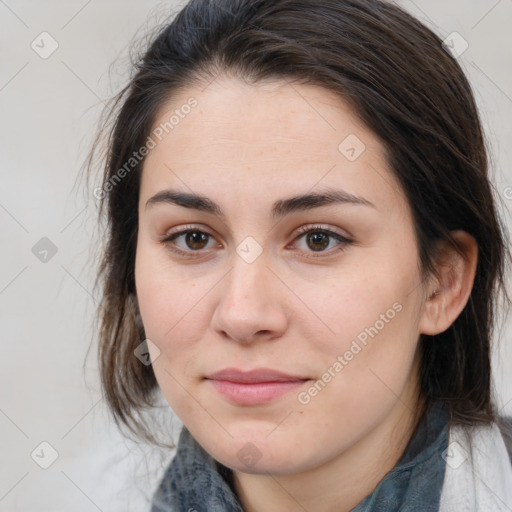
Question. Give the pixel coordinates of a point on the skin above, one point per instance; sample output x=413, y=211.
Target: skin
x=294, y=308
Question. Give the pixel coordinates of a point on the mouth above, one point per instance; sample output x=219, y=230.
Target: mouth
x=254, y=387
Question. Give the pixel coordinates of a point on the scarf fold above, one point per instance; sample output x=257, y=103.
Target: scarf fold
x=195, y=482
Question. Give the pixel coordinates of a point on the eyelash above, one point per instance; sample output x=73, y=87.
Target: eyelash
x=168, y=241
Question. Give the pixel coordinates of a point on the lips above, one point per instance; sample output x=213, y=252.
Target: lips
x=254, y=387
x=259, y=375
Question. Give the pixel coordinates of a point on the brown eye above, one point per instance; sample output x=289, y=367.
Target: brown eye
x=189, y=241
x=317, y=241
x=196, y=239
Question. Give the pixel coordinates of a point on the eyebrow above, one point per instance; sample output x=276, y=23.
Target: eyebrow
x=279, y=209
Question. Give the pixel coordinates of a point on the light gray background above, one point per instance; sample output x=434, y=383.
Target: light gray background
x=48, y=110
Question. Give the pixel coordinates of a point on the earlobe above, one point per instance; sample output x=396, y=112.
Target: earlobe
x=448, y=292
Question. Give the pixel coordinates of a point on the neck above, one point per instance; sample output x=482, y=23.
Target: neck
x=343, y=482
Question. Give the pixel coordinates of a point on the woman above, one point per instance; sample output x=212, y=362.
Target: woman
x=303, y=241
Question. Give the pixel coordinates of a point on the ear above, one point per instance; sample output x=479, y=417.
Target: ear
x=448, y=293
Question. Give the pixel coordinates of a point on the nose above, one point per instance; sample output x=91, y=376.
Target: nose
x=251, y=305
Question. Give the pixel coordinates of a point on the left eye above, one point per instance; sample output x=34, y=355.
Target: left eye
x=319, y=239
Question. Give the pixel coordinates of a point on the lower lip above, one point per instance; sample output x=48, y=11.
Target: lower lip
x=255, y=393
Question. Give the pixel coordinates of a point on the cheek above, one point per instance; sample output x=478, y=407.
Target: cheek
x=165, y=300
x=171, y=313
x=172, y=317
x=362, y=373
x=359, y=307
x=369, y=352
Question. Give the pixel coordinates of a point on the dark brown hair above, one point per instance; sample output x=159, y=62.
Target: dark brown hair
x=405, y=87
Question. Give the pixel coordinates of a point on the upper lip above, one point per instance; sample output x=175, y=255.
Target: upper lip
x=252, y=376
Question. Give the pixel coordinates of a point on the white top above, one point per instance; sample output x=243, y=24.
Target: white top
x=478, y=474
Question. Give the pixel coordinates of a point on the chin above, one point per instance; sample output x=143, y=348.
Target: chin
x=263, y=466
x=254, y=454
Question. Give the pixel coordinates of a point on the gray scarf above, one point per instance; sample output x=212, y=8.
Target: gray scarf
x=432, y=475
x=195, y=482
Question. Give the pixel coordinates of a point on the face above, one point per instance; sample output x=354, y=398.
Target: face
x=326, y=291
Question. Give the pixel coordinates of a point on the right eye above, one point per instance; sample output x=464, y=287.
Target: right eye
x=193, y=241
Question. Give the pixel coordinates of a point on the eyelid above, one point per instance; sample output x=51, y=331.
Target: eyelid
x=307, y=228
x=182, y=229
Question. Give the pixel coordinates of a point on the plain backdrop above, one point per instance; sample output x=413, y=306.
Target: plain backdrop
x=49, y=108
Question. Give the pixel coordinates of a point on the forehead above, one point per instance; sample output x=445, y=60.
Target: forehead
x=267, y=139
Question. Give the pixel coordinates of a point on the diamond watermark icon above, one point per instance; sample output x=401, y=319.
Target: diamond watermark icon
x=249, y=249
x=455, y=44
x=147, y=352
x=249, y=454
x=455, y=455
x=352, y=147
x=44, y=250
x=44, y=455
x=44, y=45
